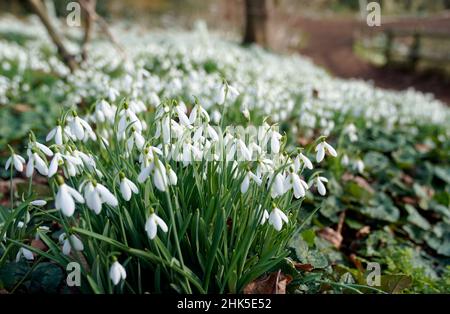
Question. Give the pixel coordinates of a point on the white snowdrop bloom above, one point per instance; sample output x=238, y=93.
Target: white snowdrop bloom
x=244, y=154
x=359, y=166
x=198, y=113
x=152, y=224
x=278, y=186
x=128, y=117
x=221, y=95
x=351, y=131
x=321, y=148
x=299, y=186
x=232, y=91
x=80, y=128
x=96, y=194
x=127, y=188
x=38, y=203
x=302, y=159
x=160, y=176
x=275, y=138
x=345, y=160
x=25, y=253
x=113, y=94
x=35, y=161
x=71, y=163
x=320, y=186
x=135, y=138
x=216, y=116
x=265, y=217
x=181, y=112
x=104, y=112
x=276, y=218
x=15, y=160
x=69, y=243
x=66, y=197
x=117, y=273
x=57, y=134
x=246, y=113
x=246, y=182
x=47, y=151
x=172, y=176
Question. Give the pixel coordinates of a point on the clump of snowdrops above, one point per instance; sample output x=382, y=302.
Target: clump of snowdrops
x=160, y=199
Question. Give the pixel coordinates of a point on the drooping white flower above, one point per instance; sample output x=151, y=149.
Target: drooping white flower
x=265, y=217
x=127, y=188
x=38, y=203
x=15, y=160
x=57, y=134
x=69, y=243
x=35, y=161
x=275, y=138
x=79, y=127
x=359, y=166
x=299, y=186
x=302, y=159
x=117, y=273
x=152, y=224
x=66, y=197
x=135, y=138
x=160, y=176
x=25, y=253
x=278, y=186
x=276, y=218
x=320, y=186
x=246, y=182
x=172, y=176
x=96, y=194
x=321, y=148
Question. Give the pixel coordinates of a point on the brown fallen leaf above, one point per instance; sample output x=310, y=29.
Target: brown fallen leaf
x=363, y=232
x=304, y=267
x=409, y=200
x=331, y=236
x=422, y=148
x=407, y=179
x=364, y=184
x=21, y=108
x=273, y=283
x=38, y=244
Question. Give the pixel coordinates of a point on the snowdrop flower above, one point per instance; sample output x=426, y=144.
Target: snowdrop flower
x=152, y=224
x=172, y=176
x=57, y=134
x=128, y=117
x=246, y=182
x=302, y=159
x=47, y=151
x=278, y=187
x=35, y=161
x=117, y=272
x=275, y=138
x=104, y=111
x=66, y=197
x=345, y=160
x=127, y=187
x=15, y=160
x=160, y=176
x=276, y=218
x=25, y=253
x=265, y=217
x=350, y=130
x=320, y=186
x=71, y=164
x=79, y=127
x=38, y=203
x=321, y=148
x=299, y=186
x=135, y=138
x=69, y=243
x=359, y=166
x=96, y=194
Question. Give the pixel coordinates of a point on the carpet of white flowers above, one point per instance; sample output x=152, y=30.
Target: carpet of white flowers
x=152, y=184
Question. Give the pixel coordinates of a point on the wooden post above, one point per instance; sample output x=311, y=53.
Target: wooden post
x=256, y=14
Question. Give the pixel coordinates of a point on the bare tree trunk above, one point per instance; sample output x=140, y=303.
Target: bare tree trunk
x=38, y=8
x=256, y=16
x=88, y=27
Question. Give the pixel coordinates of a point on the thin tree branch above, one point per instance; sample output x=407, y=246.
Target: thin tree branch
x=91, y=12
x=88, y=27
x=38, y=8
